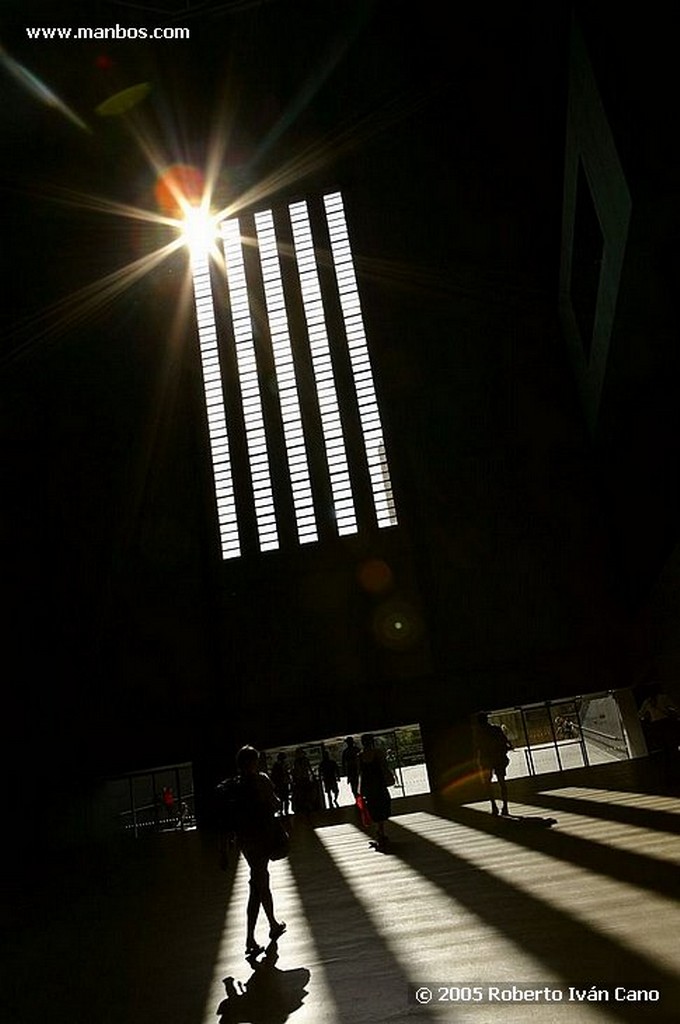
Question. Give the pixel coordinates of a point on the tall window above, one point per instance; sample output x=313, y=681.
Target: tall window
x=291, y=414
x=256, y=437
x=299, y=422
x=371, y=427
x=331, y=423
x=214, y=401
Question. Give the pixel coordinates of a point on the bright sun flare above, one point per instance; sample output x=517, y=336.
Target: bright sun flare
x=183, y=194
x=199, y=229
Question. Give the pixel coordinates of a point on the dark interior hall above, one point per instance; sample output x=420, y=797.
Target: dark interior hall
x=510, y=179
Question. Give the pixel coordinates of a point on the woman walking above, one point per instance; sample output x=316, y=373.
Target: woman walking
x=375, y=775
x=255, y=831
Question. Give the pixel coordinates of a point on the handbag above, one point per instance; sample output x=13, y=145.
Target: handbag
x=280, y=841
x=364, y=815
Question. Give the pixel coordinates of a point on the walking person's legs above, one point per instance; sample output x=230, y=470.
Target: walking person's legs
x=260, y=897
x=487, y=773
x=503, y=786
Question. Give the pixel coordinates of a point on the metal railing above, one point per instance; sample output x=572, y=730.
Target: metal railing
x=155, y=800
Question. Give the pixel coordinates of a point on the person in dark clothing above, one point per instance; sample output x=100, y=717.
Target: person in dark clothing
x=375, y=776
x=329, y=773
x=350, y=764
x=280, y=776
x=303, y=783
x=491, y=748
x=168, y=798
x=254, y=835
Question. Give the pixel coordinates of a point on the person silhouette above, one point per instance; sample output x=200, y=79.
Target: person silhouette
x=329, y=773
x=280, y=776
x=350, y=764
x=269, y=996
x=254, y=834
x=491, y=749
x=303, y=783
x=375, y=776
x=168, y=798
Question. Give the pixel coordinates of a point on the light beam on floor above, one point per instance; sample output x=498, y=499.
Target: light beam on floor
x=442, y=939
x=295, y=948
x=560, y=884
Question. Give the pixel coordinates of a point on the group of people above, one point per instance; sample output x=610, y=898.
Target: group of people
x=295, y=785
x=269, y=794
x=265, y=796
x=299, y=786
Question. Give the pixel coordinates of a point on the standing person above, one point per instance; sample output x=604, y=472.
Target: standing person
x=491, y=749
x=168, y=798
x=375, y=776
x=303, y=784
x=254, y=831
x=329, y=773
x=350, y=764
x=280, y=776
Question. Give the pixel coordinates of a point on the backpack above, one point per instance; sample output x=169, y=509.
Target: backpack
x=494, y=746
x=232, y=809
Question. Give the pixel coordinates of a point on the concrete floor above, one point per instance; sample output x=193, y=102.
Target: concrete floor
x=464, y=904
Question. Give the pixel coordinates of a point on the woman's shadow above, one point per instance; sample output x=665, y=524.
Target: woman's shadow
x=268, y=997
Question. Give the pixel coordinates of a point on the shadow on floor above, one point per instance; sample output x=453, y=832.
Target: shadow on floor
x=637, y=869
x=360, y=968
x=269, y=996
x=642, y=817
x=581, y=955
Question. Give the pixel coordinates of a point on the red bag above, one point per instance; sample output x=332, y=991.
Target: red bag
x=366, y=819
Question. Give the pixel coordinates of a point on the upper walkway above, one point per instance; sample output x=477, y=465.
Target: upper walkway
x=576, y=895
